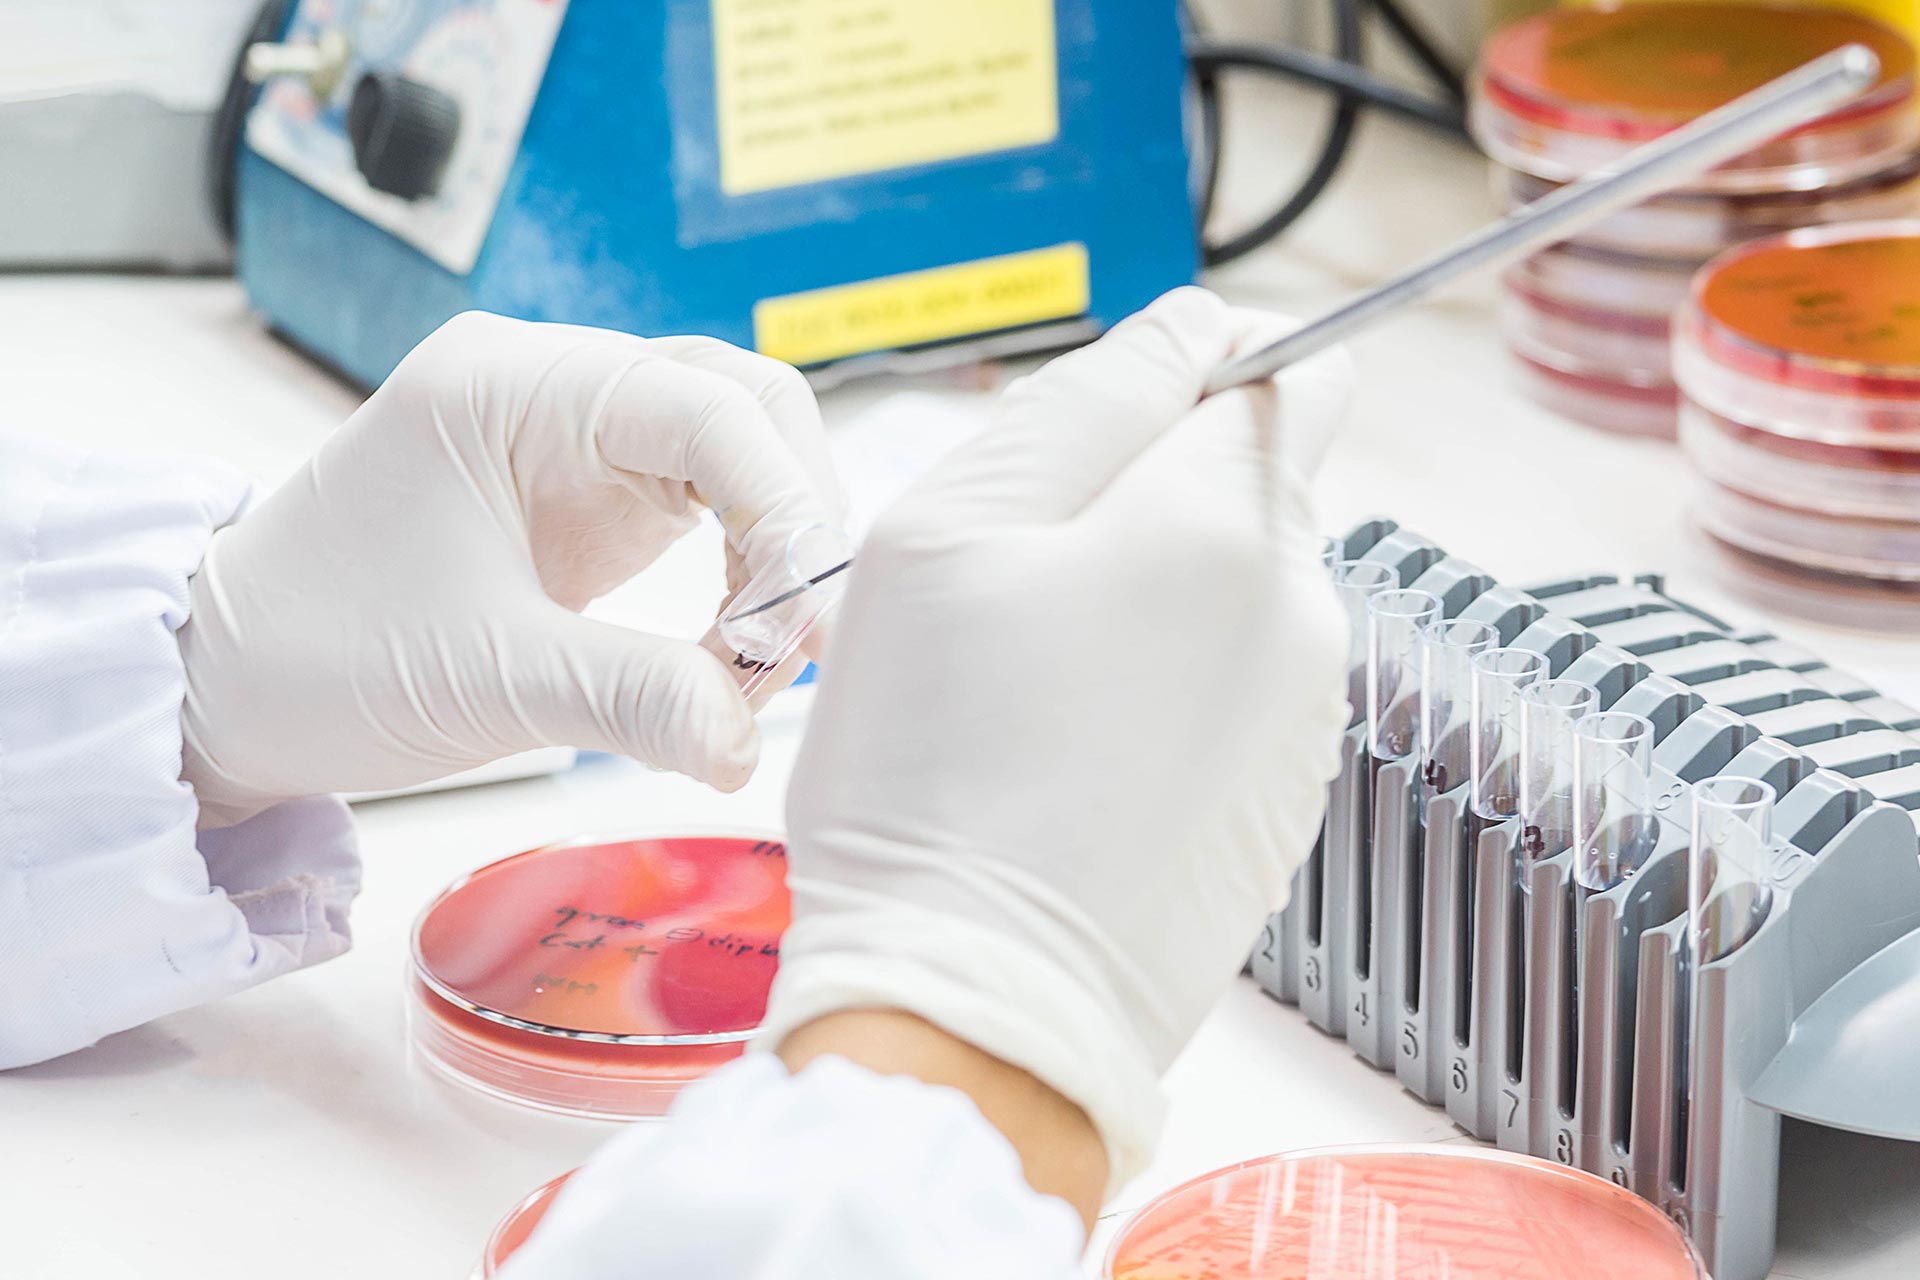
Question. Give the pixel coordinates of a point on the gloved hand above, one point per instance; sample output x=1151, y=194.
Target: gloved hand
x=1078, y=718
x=407, y=605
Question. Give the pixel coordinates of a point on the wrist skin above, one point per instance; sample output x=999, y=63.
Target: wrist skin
x=1060, y=1150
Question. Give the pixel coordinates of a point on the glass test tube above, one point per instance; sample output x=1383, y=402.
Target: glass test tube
x=1494, y=735
x=1728, y=889
x=759, y=633
x=1613, y=823
x=1447, y=650
x=1395, y=622
x=1548, y=711
x=1356, y=582
x=1330, y=549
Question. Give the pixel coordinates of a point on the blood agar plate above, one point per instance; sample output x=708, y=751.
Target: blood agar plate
x=1603, y=398
x=516, y=1227
x=1566, y=92
x=598, y=977
x=1407, y=1213
x=1606, y=344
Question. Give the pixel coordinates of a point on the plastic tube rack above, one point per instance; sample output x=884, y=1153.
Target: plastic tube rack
x=1562, y=1021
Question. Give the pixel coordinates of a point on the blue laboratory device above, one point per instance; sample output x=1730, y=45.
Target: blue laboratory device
x=831, y=183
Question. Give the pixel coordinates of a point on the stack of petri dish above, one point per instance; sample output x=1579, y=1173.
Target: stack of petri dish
x=1799, y=356
x=1564, y=93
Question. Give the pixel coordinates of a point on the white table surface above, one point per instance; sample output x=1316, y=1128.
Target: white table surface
x=284, y=1133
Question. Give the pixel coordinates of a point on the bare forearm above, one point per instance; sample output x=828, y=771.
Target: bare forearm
x=1058, y=1146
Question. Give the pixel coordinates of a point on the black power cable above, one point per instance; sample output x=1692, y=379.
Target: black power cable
x=1313, y=68
x=229, y=122
x=1334, y=145
x=1417, y=43
x=1354, y=88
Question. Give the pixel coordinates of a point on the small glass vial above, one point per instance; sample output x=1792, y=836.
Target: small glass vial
x=1395, y=622
x=761, y=631
x=1614, y=826
x=1729, y=884
x=1499, y=676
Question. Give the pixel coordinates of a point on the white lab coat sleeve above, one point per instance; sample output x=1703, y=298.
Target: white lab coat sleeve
x=113, y=909
x=834, y=1173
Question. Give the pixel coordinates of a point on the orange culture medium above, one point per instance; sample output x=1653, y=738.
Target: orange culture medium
x=1641, y=70
x=1850, y=307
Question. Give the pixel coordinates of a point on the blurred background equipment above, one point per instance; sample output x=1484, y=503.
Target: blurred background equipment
x=105, y=111
x=919, y=188
x=817, y=188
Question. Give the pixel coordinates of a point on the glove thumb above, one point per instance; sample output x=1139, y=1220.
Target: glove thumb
x=664, y=702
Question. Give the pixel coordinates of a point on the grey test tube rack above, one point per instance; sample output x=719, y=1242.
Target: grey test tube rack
x=1561, y=1021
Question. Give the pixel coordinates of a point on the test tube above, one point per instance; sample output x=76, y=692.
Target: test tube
x=1395, y=623
x=1447, y=650
x=1356, y=582
x=1494, y=734
x=1548, y=711
x=1330, y=549
x=1613, y=823
x=1728, y=893
x=759, y=633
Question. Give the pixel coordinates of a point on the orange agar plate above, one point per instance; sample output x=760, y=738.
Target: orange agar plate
x=1835, y=308
x=1407, y=1213
x=598, y=977
x=516, y=1227
x=1640, y=70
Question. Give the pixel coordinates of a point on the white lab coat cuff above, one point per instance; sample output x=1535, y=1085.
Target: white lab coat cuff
x=833, y=1173
x=113, y=909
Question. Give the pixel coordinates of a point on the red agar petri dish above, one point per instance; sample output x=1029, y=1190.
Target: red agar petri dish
x=1799, y=357
x=1564, y=92
x=598, y=977
x=516, y=1227
x=1827, y=309
x=1410, y=1213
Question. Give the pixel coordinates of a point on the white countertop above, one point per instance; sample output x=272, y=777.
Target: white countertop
x=284, y=1133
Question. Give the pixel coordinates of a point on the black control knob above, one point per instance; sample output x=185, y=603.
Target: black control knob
x=402, y=132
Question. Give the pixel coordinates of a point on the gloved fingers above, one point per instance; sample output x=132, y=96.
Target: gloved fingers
x=1314, y=395
x=1063, y=432
x=783, y=392
x=607, y=688
x=1220, y=485
x=663, y=418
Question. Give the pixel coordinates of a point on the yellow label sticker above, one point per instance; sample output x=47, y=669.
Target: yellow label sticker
x=813, y=89
x=924, y=306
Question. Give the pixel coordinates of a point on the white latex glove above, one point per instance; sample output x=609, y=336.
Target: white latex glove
x=406, y=606
x=1077, y=722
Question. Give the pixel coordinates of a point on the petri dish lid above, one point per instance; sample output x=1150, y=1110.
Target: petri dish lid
x=516, y=1227
x=653, y=940
x=1824, y=309
x=1400, y=1213
x=1629, y=73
